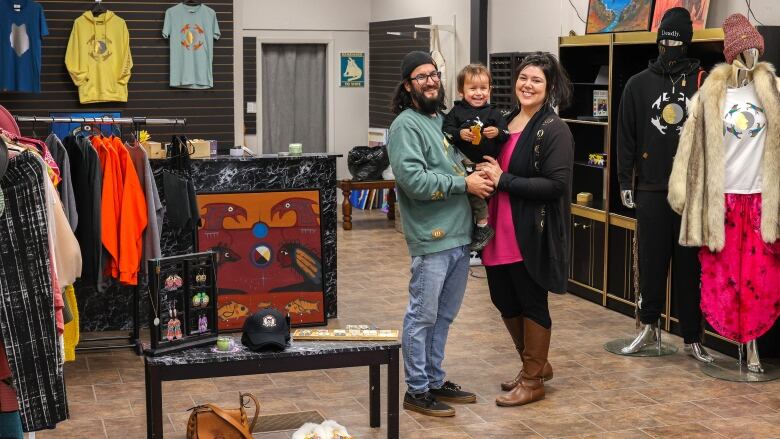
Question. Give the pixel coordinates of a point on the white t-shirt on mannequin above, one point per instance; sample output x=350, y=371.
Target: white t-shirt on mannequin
x=744, y=125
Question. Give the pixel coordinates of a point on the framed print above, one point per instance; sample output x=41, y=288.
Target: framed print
x=268, y=248
x=618, y=16
x=697, y=8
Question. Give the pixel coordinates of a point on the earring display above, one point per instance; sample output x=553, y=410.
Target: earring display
x=183, y=299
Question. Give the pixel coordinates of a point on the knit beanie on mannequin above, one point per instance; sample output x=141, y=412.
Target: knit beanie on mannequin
x=739, y=36
x=676, y=25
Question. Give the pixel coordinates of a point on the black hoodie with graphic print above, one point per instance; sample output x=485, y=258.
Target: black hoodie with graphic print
x=652, y=112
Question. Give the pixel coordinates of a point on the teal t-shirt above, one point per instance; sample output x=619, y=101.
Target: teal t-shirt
x=191, y=31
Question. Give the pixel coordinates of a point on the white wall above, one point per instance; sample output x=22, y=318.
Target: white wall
x=512, y=26
x=456, y=49
x=343, y=25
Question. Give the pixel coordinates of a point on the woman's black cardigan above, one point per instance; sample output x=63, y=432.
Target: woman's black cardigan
x=538, y=181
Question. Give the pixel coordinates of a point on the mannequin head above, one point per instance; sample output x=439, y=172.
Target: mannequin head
x=747, y=60
x=674, y=35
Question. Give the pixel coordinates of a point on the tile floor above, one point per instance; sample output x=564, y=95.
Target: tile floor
x=594, y=394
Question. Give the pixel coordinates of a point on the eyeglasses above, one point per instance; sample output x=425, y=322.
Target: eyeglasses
x=422, y=79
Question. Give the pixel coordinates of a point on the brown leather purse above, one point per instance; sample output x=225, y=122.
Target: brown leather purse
x=209, y=421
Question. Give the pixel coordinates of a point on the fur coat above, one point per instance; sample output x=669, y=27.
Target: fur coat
x=698, y=175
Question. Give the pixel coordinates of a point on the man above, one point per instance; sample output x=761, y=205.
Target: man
x=437, y=223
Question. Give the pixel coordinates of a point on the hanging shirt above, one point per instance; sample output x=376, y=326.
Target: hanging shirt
x=132, y=218
x=22, y=26
x=191, y=31
x=98, y=57
x=744, y=124
x=87, y=189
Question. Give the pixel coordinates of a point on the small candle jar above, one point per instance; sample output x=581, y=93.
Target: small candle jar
x=224, y=344
x=296, y=148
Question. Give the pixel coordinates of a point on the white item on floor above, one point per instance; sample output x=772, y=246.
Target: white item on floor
x=326, y=430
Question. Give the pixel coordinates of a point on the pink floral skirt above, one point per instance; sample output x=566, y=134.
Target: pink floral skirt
x=740, y=285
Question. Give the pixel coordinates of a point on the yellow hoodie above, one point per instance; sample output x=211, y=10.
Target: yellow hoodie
x=98, y=57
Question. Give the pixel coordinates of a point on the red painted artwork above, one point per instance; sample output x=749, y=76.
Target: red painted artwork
x=269, y=254
x=697, y=8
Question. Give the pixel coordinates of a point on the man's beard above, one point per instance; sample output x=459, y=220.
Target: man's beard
x=428, y=105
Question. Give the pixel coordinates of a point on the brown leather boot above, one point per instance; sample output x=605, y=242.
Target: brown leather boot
x=531, y=386
x=515, y=327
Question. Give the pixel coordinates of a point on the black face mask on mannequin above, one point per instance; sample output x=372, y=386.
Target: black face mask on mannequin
x=669, y=55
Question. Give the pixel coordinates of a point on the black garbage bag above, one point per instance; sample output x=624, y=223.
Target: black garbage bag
x=367, y=162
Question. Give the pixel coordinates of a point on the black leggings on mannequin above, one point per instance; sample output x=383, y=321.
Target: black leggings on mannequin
x=659, y=230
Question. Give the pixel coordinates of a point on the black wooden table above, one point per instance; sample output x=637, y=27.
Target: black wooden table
x=302, y=355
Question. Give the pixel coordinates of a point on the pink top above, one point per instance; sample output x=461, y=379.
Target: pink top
x=503, y=248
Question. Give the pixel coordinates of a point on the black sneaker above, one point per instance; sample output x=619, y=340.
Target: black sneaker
x=426, y=404
x=481, y=237
x=452, y=392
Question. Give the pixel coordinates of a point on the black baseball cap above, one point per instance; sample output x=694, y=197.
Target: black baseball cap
x=267, y=329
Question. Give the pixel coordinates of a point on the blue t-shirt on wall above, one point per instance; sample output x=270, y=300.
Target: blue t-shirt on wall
x=22, y=26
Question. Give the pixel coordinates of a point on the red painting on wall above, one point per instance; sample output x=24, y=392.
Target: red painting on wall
x=269, y=254
x=697, y=8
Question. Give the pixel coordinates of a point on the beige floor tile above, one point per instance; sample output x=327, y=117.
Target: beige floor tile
x=616, y=420
x=734, y=407
x=744, y=428
x=562, y=426
x=683, y=431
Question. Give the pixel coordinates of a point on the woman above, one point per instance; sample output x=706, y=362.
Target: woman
x=530, y=253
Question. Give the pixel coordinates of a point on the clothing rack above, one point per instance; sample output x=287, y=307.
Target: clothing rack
x=133, y=339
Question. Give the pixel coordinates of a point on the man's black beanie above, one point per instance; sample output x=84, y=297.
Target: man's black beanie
x=412, y=60
x=676, y=25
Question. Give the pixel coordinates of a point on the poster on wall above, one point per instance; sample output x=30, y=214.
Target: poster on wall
x=269, y=254
x=353, y=71
x=697, y=8
x=618, y=16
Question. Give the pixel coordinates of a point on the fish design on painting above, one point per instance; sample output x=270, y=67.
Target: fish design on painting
x=300, y=306
x=232, y=310
x=264, y=305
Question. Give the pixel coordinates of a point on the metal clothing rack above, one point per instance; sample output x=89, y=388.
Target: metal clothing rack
x=133, y=339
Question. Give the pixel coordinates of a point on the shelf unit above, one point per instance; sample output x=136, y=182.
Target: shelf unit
x=502, y=67
x=602, y=260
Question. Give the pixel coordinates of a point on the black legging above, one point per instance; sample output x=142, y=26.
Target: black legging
x=515, y=294
x=659, y=229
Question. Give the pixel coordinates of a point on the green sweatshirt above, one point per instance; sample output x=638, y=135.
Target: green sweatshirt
x=431, y=184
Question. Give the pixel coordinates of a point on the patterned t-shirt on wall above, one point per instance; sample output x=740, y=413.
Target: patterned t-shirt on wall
x=191, y=31
x=22, y=25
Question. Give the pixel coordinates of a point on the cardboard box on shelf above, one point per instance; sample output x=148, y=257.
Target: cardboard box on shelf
x=154, y=150
x=201, y=149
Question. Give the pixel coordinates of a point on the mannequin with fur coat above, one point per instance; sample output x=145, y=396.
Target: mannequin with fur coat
x=725, y=183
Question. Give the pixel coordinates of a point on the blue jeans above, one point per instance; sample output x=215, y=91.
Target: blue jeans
x=436, y=292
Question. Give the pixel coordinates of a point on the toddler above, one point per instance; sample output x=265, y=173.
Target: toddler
x=477, y=128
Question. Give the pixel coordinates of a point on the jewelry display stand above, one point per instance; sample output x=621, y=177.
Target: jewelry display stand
x=183, y=296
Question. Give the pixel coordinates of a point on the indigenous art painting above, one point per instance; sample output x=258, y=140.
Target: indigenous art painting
x=269, y=254
x=697, y=8
x=618, y=15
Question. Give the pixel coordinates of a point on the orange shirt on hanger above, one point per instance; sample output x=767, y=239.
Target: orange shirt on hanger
x=133, y=219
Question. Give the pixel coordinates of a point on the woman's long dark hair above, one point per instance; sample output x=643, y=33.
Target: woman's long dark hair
x=559, y=93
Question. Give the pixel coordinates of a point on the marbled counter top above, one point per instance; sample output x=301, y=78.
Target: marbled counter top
x=206, y=354
x=225, y=157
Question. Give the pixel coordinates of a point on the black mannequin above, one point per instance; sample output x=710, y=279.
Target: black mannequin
x=652, y=112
